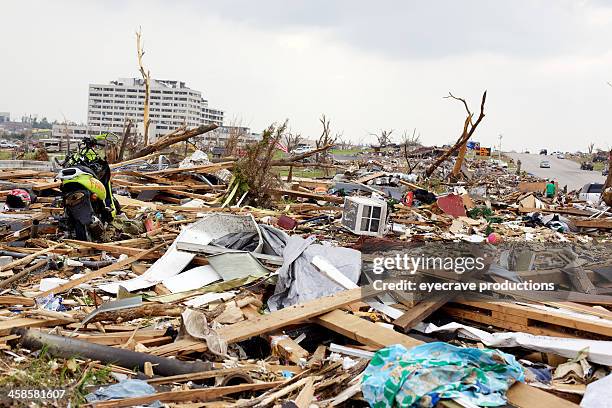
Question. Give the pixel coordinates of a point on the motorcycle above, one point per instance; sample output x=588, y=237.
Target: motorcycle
x=87, y=196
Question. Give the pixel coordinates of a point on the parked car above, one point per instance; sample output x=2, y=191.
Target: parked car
x=586, y=166
x=302, y=150
x=544, y=164
x=591, y=192
x=605, y=172
x=544, y=152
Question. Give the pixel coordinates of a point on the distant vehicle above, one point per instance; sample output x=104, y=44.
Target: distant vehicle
x=586, y=166
x=544, y=151
x=560, y=156
x=527, y=152
x=302, y=150
x=591, y=192
x=500, y=163
x=544, y=164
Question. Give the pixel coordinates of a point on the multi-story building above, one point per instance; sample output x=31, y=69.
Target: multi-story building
x=171, y=105
x=5, y=117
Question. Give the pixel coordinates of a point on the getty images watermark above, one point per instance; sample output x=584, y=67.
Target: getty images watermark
x=468, y=272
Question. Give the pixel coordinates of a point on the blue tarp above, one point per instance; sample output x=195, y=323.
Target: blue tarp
x=422, y=375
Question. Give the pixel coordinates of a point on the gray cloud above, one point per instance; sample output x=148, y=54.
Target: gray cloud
x=410, y=29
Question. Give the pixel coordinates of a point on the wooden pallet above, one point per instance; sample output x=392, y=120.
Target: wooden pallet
x=518, y=317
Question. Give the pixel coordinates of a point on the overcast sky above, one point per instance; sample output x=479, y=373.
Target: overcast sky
x=367, y=65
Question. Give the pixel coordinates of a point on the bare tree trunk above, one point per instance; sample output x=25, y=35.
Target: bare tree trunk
x=146, y=77
x=172, y=138
x=126, y=136
x=290, y=175
x=459, y=162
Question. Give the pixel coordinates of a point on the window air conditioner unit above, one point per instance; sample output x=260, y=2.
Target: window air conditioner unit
x=365, y=216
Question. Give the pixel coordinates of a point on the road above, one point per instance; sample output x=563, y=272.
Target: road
x=565, y=172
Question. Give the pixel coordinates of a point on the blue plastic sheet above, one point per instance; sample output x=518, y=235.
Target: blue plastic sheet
x=123, y=389
x=422, y=375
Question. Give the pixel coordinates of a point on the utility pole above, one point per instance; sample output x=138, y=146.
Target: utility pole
x=500, y=140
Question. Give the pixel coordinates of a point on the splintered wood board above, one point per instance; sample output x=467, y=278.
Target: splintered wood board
x=363, y=331
x=292, y=314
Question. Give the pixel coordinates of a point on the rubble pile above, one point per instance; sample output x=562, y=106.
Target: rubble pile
x=193, y=296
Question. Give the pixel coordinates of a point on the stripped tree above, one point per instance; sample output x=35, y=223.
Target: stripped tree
x=146, y=77
x=383, y=137
x=326, y=139
x=469, y=128
x=409, y=143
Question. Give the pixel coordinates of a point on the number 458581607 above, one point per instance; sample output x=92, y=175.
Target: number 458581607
x=19, y=393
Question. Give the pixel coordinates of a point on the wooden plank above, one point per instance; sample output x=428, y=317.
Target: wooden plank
x=285, y=347
x=100, y=272
x=595, y=223
x=7, y=325
x=201, y=394
x=525, y=187
x=136, y=160
x=580, y=280
x=22, y=274
x=202, y=375
x=27, y=259
x=316, y=361
x=113, y=249
x=16, y=300
x=363, y=331
x=422, y=310
x=304, y=398
x=46, y=186
x=292, y=314
x=200, y=169
x=369, y=177
x=179, y=346
x=521, y=395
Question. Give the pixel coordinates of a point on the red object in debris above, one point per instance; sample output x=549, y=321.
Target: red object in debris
x=452, y=204
x=494, y=238
x=286, y=222
x=149, y=225
x=408, y=198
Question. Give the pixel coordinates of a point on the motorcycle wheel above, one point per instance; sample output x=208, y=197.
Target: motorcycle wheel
x=82, y=232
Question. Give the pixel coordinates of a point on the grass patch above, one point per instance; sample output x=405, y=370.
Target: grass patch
x=307, y=172
x=47, y=373
x=348, y=152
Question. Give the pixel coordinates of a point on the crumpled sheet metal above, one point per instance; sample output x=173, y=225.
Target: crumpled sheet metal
x=298, y=280
x=173, y=262
x=422, y=375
